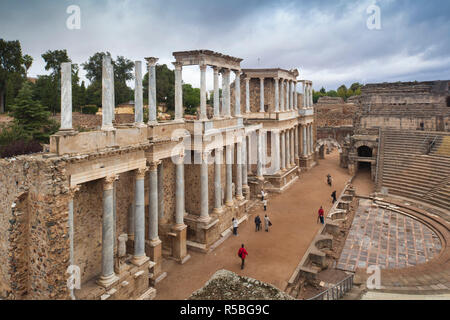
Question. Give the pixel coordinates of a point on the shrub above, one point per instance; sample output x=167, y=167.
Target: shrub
x=20, y=147
x=89, y=109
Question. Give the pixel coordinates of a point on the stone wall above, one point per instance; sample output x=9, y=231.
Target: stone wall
x=333, y=111
x=34, y=244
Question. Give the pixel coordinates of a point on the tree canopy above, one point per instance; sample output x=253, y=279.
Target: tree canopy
x=342, y=91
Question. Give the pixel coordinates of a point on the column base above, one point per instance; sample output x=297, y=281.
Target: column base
x=229, y=203
x=139, y=261
x=140, y=125
x=260, y=178
x=240, y=198
x=107, y=281
x=218, y=210
x=108, y=128
x=204, y=219
x=152, y=122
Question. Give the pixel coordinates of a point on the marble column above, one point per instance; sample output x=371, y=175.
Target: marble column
x=288, y=149
x=244, y=163
x=178, y=91
x=247, y=95
x=226, y=93
x=237, y=93
x=263, y=152
x=108, y=277
x=239, y=166
x=296, y=142
x=259, y=169
x=292, y=139
x=217, y=180
x=161, y=190
x=261, y=94
x=151, y=68
x=291, y=95
x=276, y=150
x=229, y=175
x=311, y=97
x=216, y=93
x=283, y=151
x=138, y=95
x=203, y=115
x=295, y=96
x=311, y=137
x=179, y=191
x=66, y=96
x=107, y=94
x=204, y=197
x=277, y=96
x=304, y=148
x=288, y=100
x=71, y=225
x=282, y=95
x=139, y=256
x=153, y=202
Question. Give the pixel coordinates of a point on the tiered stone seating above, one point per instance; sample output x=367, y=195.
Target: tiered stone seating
x=408, y=171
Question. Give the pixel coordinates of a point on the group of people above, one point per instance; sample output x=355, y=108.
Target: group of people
x=333, y=199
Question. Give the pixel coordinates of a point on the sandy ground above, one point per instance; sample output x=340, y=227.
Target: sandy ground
x=273, y=255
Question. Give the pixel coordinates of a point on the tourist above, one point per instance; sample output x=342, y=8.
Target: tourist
x=321, y=213
x=267, y=223
x=329, y=180
x=333, y=195
x=235, y=226
x=258, y=223
x=262, y=194
x=265, y=204
x=242, y=253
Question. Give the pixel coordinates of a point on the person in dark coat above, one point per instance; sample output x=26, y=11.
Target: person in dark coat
x=333, y=195
x=242, y=253
x=329, y=180
x=258, y=223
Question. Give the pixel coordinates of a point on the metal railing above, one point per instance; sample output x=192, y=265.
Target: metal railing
x=337, y=291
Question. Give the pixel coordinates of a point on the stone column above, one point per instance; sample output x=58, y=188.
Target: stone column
x=288, y=100
x=277, y=100
x=161, y=190
x=296, y=143
x=239, y=166
x=304, y=95
x=244, y=163
x=292, y=147
x=139, y=256
x=308, y=142
x=179, y=191
x=72, y=192
x=283, y=152
x=179, y=246
x=295, y=96
x=66, y=96
x=247, y=94
x=217, y=181
x=108, y=277
x=288, y=149
x=276, y=151
x=216, y=93
x=151, y=68
x=229, y=174
x=261, y=94
x=226, y=93
x=203, y=92
x=304, y=148
x=311, y=137
x=281, y=94
x=259, y=170
x=204, y=208
x=107, y=94
x=138, y=98
x=311, y=96
x=178, y=91
x=237, y=93
x=153, y=202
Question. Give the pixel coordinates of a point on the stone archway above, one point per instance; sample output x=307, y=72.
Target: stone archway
x=327, y=142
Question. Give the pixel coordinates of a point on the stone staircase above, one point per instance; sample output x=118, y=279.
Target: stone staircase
x=407, y=170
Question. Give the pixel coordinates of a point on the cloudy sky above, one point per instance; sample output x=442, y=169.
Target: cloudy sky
x=327, y=40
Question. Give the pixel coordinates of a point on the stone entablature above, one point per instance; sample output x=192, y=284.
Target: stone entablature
x=271, y=73
x=207, y=57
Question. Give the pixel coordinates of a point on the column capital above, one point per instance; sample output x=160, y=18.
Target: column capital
x=203, y=66
x=237, y=72
x=153, y=165
x=108, y=182
x=151, y=61
x=178, y=65
x=216, y=69
x=73, y=190
x=225, y=71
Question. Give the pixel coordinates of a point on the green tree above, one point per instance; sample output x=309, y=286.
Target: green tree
x=191, y=99
x=11, y=62
x=323, y=91
x=355, y=86
x=165, y=86
x=332, y=93
x=32, y=116
x=53, y=60
x=27, y=62
x=342, y=92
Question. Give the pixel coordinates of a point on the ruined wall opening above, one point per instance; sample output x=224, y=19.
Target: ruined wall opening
x=365, y=152
x=448, y=101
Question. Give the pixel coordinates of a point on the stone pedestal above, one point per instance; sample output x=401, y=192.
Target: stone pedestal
x=153, y=249
x=179, y=248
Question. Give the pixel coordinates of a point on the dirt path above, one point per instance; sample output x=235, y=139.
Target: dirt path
x=273, y=256
x=363, y=183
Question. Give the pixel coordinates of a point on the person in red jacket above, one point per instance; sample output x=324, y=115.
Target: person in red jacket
x=242, y=253
x=321, y=212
